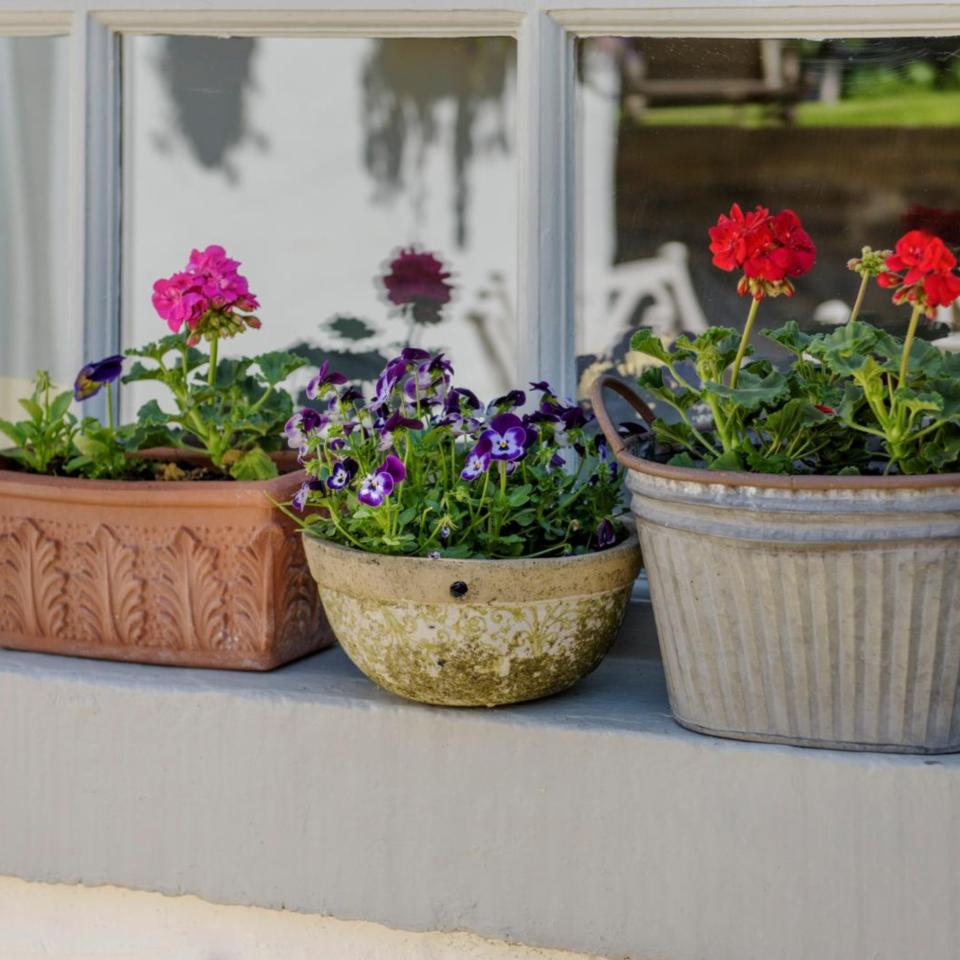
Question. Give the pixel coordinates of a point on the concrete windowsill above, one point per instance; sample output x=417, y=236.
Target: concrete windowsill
x=588, y=821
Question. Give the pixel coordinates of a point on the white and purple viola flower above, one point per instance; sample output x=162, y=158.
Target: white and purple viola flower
x=301, y=424
x=342, y=473
x=300, y=498
x=606, y=534
x=324, y=379
x=478, y=461
x=376, y=487
x=508, y=437
x=415, y=453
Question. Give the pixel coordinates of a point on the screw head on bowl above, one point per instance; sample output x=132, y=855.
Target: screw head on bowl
x=458, y=589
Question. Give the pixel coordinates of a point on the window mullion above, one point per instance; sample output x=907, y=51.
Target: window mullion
x=94, y=172
x=547, y=245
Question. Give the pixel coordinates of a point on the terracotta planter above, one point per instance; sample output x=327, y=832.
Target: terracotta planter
x=474, y=632
x=200, y=574
x=814, y=611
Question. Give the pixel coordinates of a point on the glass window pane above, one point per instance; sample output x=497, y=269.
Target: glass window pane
x=33, y=201
x=860, y=137
x=314, y=161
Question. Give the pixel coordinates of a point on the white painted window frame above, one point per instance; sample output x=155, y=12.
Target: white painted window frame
x=545, y=30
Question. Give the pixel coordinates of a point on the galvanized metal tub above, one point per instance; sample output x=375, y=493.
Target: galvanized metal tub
x=814, y=611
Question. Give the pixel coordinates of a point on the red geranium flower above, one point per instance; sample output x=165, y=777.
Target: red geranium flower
x=920, y=271
x=735, y=238
x=768, y=249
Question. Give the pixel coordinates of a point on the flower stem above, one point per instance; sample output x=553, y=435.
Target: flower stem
x=110, y=417
x=212, y=369
x=858, y=303
x=907, y=343
x=744, y=341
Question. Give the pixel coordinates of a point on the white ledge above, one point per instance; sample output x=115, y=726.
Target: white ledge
x=589, y=821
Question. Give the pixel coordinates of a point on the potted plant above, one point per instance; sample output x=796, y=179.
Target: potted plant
x=156, y=541
x=801, y=524
x=465, y=555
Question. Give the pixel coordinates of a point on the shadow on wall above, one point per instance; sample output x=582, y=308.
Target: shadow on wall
x=208, y=81
x=404, y=82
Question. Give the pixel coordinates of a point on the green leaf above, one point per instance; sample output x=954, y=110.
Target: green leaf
x=949, y=392
x=139, y=372
x=848, y=348
x=682, y=460
x=751, y=391
x=230, y=371
x=643, y=341
x=918, y=403
x=14, y=432
x=255, y=464
x=152, y=415
x=277, y=366
x=519, y=496
x=941, y=449
x=61, y=404
x=731, y=460
x=924, y=357
x=34, y=410
x=772, y=463
x=795, y=415
x=652, y=380
x=678, y=434
x=791, y=337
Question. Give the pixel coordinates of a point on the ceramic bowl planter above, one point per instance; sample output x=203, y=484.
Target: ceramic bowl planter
x=817, y=611
x=200, y=574
x=474, y=632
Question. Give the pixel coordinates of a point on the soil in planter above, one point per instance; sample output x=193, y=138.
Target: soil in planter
x=149, y=468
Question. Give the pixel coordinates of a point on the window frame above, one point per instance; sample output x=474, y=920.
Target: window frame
x=546, y=32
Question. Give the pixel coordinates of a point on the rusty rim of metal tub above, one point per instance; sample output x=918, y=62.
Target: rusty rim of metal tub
x=731, y=478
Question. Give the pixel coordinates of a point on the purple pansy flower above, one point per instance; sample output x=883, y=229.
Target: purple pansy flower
x=397, y=420
x=509, y=401
x=299, y=499
x=325, y=377
x=387, y=380
x=507, y=437
x=478, y=460
x=342, y=473
x=458, y=399
x=556, y=463
x=414, y=355
x=376, y=487
x=606, y=535
x=301, y=423
x=542, y=386
x=95, y=375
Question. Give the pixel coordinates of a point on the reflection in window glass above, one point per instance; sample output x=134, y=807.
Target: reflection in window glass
x=860, y=137
x=314, y=161
x=33, y=176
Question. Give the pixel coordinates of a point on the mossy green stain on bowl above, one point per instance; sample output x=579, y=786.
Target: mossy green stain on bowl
x=476, y=654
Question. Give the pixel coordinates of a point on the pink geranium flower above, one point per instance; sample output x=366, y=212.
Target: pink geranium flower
x=209, y=284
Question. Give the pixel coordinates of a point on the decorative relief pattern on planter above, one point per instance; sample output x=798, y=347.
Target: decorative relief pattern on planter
x=111, y=598
x=33, y=598
x=190, y=595
x=96, y=582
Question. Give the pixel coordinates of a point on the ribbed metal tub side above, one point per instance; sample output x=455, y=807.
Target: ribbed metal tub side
x=818, y=617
